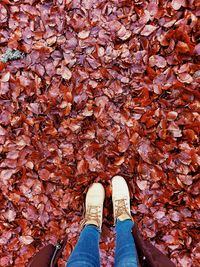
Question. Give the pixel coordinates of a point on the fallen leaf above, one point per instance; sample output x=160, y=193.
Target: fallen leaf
x=7, y=174
x=52, y=40
x=185, y=78
x=142, y=184
x=123, y=142
x=44, y=174
x=159, y=215
x=182, y=47
x=5, y=77
x=83, y=34
x=172, y=115
x=26, y=240
x=65, y=73
x=123, y=34
x=157, y=61
x=2, y=131
x=177, y=4
x=148, y=29
x=197, y=49
x=3, y=14
x=10, y=215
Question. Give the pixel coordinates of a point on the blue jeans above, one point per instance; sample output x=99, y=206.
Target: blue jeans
x=86, y=251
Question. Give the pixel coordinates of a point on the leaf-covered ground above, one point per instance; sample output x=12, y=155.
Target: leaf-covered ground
x=103, y=88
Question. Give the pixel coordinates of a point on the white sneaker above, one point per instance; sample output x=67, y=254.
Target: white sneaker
x=120, y=199
x=94, y=205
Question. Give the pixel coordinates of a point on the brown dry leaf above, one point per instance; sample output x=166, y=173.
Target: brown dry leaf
x=6, y=174
x=123, y=142
x=82, y=167
x=51, y=40
x=185, y=179
x=123, y=34
x=5, y=77
x=142, y=184
x=197, y=49
x=182, y=47
x=65, y=73
x=148, y=29
x=3, y=14
x=44, y=174
x=177, y=4
x=83, y=34
x=159, y=215
x=157, y=61
x=2, y=131
x=185, y=78
x=172, y=115
x=26, y=240
x=10, y=215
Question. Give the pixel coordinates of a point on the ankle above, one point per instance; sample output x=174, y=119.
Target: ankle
x=92, y=222
x=124, y=217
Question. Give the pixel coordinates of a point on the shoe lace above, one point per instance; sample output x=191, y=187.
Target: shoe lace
x=93, y=213
x=121, y=207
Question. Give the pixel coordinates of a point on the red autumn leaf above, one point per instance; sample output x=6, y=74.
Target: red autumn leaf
x=177, y=4
x=190, y=134
x=2, y=131
x=65, y=73
x=44, y=174
x=172, y=115
x=34, y=107
x=2, y=65
x=82, y=167
x=197, y=49
x=6, y=2
x=114, y=25
x=185, y=179
x=5, y=260
x=142, y=184
x=6, y=174
x=83, y=34
x=159, y=215
x=182, y=47
x=175, y=216
x=145, y=150
x=3, y=13
x=26, y=240
x=94, y=165
x=158, y=61
x=148, y=29
x=10, y=215
x=5, y=117
x=67, y=250
x=170, y=239
x=123, y=142
x=5, y=77
x=185, y=77
x=123, y=34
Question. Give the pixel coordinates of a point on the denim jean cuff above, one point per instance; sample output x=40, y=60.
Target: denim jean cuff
x=118, y=220
x=93, y=226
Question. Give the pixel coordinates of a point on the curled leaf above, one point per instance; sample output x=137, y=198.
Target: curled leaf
x=148, y=29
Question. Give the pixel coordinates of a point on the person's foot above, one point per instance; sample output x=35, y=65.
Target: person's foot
x=94, y=205
x=120, y=199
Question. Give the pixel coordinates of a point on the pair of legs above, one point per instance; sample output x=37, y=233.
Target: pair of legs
x=86, y=251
